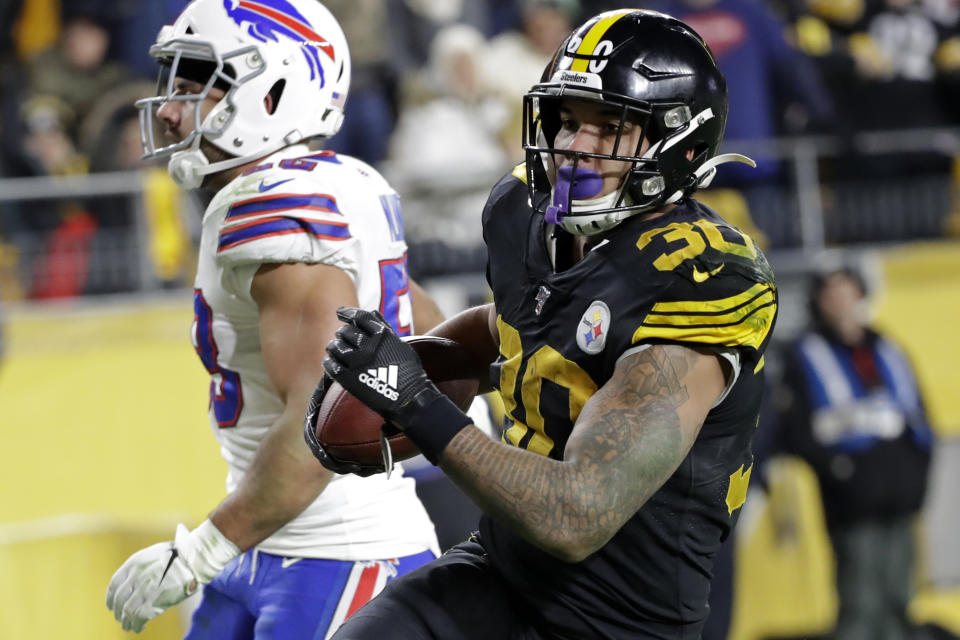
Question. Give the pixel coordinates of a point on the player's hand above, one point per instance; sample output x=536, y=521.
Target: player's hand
x=365, y=346
x=329, y=461
x=385, y=373
x=160, y=576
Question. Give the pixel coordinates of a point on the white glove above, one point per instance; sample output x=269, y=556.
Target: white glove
x=160, y=576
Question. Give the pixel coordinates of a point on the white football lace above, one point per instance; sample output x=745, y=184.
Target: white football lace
x=387, y=453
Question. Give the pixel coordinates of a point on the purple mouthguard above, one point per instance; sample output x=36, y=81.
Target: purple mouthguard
x=587, y=184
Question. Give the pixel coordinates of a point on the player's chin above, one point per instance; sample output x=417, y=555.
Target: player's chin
x=213, y=155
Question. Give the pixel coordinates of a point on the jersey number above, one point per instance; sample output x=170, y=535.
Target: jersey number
x=395, y=304
x=391, y=209
x=696, y=237
x=546, y=378
x=226, y=392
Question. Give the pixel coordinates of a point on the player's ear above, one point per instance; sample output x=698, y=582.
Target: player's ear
x=268, y=103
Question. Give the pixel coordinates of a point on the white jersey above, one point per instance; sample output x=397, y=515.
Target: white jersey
x=312, y=207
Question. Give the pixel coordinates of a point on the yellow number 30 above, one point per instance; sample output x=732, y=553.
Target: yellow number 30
x=545, y=364
x=697, y=236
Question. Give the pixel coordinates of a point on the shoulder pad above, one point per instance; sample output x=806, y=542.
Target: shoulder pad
x=273, y=216
x=520, y=172
x=509, y=192
x=717, y=287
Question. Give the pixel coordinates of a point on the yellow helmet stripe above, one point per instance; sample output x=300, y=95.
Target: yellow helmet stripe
x=594, y=35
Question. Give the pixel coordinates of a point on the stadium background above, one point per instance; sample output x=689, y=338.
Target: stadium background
x=102, y=399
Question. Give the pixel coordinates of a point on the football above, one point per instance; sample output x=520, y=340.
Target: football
x=348, y=430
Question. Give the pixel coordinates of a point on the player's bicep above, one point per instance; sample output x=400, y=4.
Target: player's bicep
x=297, y=307
x=635, y=431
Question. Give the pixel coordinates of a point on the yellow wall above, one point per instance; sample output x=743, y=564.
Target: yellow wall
x=920, y=306
x=104, y=414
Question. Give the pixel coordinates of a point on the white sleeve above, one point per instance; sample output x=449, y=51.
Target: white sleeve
x=729, y=354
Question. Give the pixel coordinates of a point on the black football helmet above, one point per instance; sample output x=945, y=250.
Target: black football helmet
x=658, y=73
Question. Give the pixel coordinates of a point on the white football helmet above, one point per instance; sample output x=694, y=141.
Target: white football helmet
x=291, y=50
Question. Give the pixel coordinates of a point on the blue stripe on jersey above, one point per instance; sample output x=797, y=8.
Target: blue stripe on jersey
x=266, y=227
x=271, y=204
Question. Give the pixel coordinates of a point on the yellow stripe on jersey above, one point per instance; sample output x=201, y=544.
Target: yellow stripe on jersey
x=741, y=320
x=760, y=364
x=737, y=489
x=593, y=36
x=520, y=172
x=715, y=312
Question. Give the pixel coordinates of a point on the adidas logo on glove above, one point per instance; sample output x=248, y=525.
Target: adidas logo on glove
x=383, y=380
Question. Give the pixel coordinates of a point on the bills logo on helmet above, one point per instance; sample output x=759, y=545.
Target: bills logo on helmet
x=268, y=19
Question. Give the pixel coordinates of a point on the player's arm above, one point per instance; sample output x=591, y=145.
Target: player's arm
x=426, y=313
x=297, y=304
x=628, y=440
x=475, y=329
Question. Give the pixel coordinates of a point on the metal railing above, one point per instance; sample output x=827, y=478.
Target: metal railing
x=803, y=212
x=805, y=155
x=131, y=241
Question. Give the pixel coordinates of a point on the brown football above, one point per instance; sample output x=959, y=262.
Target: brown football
x=348, y=430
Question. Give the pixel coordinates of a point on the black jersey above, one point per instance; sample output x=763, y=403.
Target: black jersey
x=685, y=277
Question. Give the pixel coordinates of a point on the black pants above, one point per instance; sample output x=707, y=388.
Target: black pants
x=459, y=596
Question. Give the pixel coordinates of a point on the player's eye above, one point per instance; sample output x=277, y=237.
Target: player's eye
x=185, y=87
x=613, y=128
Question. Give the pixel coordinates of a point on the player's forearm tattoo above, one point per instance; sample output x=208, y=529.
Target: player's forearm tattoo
x=629, y=443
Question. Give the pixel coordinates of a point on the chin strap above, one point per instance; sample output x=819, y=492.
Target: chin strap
x=189, y=166
x=706, y=172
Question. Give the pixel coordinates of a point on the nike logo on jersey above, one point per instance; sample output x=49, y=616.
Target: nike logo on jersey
x=383, y=380
x=700, y=276
x=266, y=187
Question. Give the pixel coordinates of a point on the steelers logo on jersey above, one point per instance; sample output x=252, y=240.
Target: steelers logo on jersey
x=593, y=328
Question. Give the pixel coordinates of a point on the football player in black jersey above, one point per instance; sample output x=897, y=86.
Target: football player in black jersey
x=626, y=339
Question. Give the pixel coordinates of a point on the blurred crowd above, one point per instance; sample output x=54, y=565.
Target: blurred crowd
x=435, y=103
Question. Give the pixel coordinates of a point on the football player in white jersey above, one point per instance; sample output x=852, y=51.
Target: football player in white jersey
x=248, y=87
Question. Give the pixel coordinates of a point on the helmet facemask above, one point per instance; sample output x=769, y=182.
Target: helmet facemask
x=575, y=205
x=199, y=63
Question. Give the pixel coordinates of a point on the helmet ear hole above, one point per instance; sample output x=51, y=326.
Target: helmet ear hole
x=275, y=93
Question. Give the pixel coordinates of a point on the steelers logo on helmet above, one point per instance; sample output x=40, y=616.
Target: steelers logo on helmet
x=656, y=73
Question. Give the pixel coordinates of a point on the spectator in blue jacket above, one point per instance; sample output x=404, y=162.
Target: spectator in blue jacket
x=850, y=406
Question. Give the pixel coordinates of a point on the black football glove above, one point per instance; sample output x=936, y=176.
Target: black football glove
x=331, y=462
x=385, y=373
